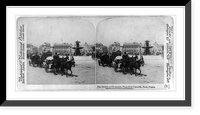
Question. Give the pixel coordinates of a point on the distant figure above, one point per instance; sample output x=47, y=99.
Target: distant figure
x=56, y=57
x=109, y=54
x=136, y=56
x=67, y=57
x=125, y=56
x=72, y=60
x=37, y=56
x=141, y=58
x=72, y=57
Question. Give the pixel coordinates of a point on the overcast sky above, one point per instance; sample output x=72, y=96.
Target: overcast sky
x=132, y=29
x=60, y=30
x=101, y=29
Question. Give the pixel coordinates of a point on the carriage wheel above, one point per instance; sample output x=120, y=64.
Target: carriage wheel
x=33, y=64
x=111, y=64
x=124, y=70
x=43, y=65
x=99, y=62
x=66, y=72
x=103, y=64
x=115, y=68
x=132, y=71
x=62, y=71
x=46, y=69
x=29, y=63
x=54, y=71
x=135, y=72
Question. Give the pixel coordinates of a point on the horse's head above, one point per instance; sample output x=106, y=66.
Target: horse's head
x=139, y=62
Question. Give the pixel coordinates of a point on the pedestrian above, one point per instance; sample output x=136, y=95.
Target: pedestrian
x=125, y=56
x=56, y=57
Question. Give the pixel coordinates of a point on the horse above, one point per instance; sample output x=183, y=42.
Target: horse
x=40, y=60
x=65, y=66
x=97, y=55
x=125, y=64
x=131, y=64
x=137, y=66
x=103, y=59
x=106, y=60
x=56, y=65
x=34, y=59
x=110, y=60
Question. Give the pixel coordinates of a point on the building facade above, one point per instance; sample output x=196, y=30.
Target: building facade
x=132, y=48
x=61, y=49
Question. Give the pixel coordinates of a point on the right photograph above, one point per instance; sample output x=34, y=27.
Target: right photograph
x=133, y=49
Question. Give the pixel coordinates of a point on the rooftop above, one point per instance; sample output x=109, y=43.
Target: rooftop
x=63, y=44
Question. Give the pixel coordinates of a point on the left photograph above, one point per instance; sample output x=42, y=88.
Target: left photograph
x=60, y=50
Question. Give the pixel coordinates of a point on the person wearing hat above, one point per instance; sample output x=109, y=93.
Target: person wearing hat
x=125, y=56
x=141, y=58
x=67, y=57
x=56, y=57
x=136, y=56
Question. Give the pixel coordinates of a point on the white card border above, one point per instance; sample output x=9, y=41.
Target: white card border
x=13, y=95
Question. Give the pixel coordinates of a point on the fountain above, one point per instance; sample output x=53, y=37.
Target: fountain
x=77, y=49
x=147, y=48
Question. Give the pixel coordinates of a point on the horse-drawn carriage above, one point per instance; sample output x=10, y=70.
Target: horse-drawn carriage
x=60, y=65
x=103, y=60
x=36, y=60
x=106, y=59
x=131, y=64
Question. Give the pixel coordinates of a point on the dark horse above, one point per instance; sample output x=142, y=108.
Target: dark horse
x=125, y=65
x=56, y=65
x=105, y=59
x=135, y=65
x=41, y=60
x=34, y=60
x=131, y=64
x=65, y=66
x=132, y=61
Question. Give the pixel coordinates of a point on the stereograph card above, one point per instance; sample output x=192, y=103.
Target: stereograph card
x=98, y=53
